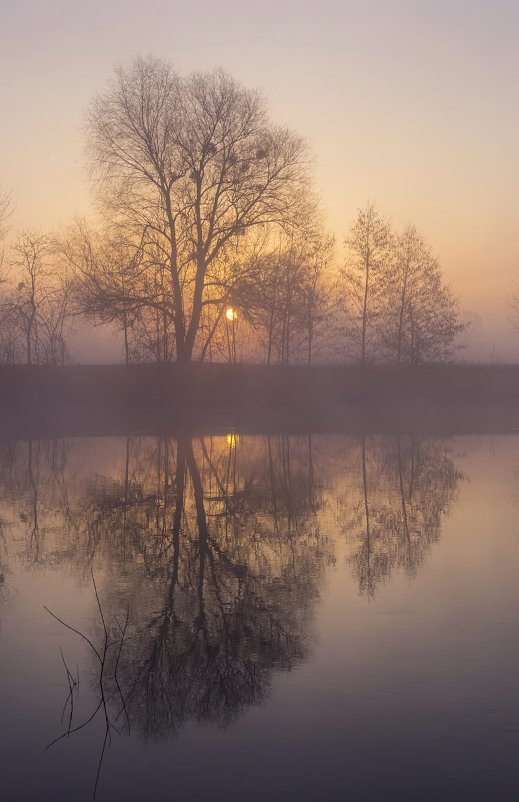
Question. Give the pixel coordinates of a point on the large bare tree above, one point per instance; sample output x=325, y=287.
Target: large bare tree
x=190, y=168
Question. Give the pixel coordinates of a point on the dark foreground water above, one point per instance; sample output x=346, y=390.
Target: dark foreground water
x=301, y=618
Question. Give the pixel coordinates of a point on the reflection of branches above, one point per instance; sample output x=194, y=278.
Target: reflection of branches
x=101, y=653
x=217, y=550
x=232, y=603
x=35, y=484
x=220, y=592
x=406, y=487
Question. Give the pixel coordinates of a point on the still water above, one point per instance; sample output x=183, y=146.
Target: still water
x=303, y=617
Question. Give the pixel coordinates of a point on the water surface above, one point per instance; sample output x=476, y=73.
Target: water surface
x=303, y=617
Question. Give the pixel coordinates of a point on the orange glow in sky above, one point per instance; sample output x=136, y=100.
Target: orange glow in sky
x=409, y=104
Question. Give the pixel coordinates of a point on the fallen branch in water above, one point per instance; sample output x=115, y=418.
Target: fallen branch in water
x=109, y=644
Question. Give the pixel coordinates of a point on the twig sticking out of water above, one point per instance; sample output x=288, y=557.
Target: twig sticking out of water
x=73, y=684
x=101, y=654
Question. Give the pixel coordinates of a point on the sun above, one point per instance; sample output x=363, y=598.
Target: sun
x=231, y=313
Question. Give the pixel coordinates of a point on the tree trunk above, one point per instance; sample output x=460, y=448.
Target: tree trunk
x=403, y=299
x=310, y=340
x=365, y=314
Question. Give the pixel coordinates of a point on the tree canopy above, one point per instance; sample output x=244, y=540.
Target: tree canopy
x=191, y=170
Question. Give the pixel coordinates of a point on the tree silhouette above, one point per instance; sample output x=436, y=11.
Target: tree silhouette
x=189, y=168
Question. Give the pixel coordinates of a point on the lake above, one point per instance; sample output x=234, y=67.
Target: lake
x=260, y=617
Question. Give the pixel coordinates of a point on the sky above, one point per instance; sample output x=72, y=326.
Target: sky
x=411, y=104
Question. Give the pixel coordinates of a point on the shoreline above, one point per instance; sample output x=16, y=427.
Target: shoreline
x=166, y=399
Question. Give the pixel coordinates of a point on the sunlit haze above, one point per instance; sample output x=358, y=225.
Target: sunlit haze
x=259, y=400
x=409, y=103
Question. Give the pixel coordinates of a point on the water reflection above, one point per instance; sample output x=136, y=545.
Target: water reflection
x=217, y=547
x=406, y=485
x=230, y=564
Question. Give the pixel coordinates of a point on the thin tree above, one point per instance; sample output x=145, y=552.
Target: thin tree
x=318, y=311
x=365, y=276
x=5, y=212
x=422, y=319
x=30, y=253
x=110, y=284
x=36, y=308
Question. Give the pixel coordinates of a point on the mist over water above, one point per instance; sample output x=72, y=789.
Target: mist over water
x=303, y=610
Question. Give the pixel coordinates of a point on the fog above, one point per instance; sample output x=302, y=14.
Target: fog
x=407, y=105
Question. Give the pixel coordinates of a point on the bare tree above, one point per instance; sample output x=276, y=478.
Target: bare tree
x=422, y=317
x=265, y=303
x=5, y=211
x=35, y=310
x=285, y=300
x=55, y=319
x=400, y=307
x=319, y=307
x=8, y=338
x=366, y=277
x=290, y=300
x=110, y=284
x=191, y=167
x=31, y=292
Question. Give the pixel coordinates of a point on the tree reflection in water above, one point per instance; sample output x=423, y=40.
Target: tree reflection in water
x=213, y=543
x=215, y=546
x=405, y=488
x=231, y=561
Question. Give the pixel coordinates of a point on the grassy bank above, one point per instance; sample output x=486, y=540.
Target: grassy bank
x=158, y=398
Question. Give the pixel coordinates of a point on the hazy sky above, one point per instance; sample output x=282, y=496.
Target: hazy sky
x=410, y=103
